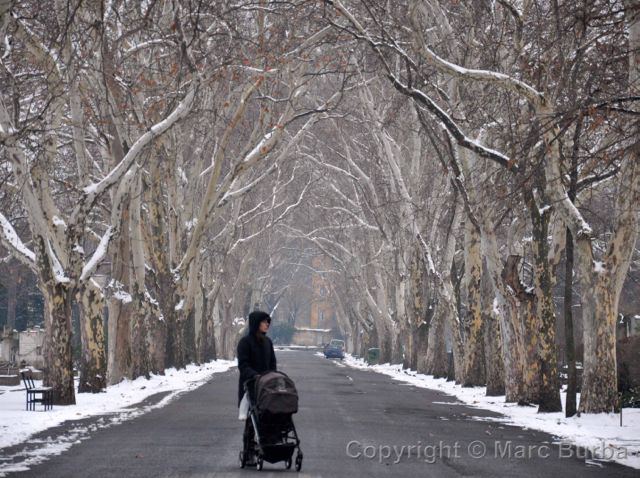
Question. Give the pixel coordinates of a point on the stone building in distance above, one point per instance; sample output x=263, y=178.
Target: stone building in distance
x=323, y=314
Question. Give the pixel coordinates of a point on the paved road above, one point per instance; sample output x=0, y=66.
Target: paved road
x=342, y=412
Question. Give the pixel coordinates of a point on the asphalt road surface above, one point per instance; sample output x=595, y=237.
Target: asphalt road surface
x=349, y=421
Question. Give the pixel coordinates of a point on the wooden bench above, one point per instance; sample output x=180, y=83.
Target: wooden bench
x=35, y=394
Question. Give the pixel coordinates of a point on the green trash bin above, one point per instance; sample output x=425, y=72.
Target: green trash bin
x=373, y=356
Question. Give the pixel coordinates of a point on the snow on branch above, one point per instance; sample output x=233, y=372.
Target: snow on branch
x=94, y=190
x=288, y=209
x=344, y=197
x=328, y=166
x=312, y=40
x=427, y=252
x=298, y=234
x=359, y=220
x=453, y=128
x=559, y=197
x=291, y=207
x=422, y=98
x=501, y=79
x=148, y=44
x=98, y=255
x=537, y=98
x=246, y=188
x=58, y=270
x=14, y=244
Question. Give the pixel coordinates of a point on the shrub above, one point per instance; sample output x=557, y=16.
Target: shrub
x=281, y=334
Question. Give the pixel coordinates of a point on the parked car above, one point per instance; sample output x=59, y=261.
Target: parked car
x=335, y=349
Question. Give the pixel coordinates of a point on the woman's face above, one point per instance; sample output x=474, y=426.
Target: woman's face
x=264, y=326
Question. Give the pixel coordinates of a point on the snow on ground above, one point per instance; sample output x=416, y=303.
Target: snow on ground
x=600, y=434
x=115, y=405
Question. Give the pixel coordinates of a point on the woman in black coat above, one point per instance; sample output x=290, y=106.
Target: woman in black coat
x=255, y=350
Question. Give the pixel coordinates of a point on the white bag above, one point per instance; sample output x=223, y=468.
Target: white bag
x=243, y=411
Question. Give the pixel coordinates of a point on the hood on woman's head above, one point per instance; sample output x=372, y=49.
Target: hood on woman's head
x=255, y=318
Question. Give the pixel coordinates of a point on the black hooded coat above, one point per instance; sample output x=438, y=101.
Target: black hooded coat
x=255, y=354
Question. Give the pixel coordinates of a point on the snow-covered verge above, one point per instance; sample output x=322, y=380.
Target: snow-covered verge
x=17, y=425
x=600, y=434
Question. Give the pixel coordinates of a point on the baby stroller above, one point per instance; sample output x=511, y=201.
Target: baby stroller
x=269, y=433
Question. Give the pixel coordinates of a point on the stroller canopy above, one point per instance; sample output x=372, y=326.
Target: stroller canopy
x=276, y=394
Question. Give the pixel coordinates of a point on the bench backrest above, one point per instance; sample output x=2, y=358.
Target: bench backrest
x=28, y=380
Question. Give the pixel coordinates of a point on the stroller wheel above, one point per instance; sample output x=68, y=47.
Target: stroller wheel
x=243, y=460
x=298, y=462
x=259, y=464
x=287, y=464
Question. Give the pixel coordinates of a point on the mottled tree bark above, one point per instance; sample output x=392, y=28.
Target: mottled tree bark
x=473, y=373
x=119, y=348
x=436, y=359
x=548, y=385
x=422, y=347
x=494, y=363
x=93, y=359
x=418, y=310
x=141, y=362
x=523, y=302
x=120, y=309
x=207, y=349
x=513, y=347
x=58, y=369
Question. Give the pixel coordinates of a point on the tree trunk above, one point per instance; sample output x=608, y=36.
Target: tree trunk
x=175, y=347
x=141, y=361
x=175, y=327
x=401, y=351
x=371, y=341
x=93, y=360
x=397, y=345
x=409, y=361
x=571, y=400
x=207, y=333
x=189, y=336
x=523, y=302
x=384, y=343
x=510, y=328
x=446, y=312
x=14, y=278
x=120, y=308
x=199, y=315
x=353, y=346
x=473, y=373
x=548, y=386
x=225, y=347
x=419, y=329
x=492, y=341
x=58, y=370
x=157, y=344
x=513, y=357
x=447, y=300
x=436, y=360
x=119, y=348
x=422, y=342
x=599, y=391
x=422, y=348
